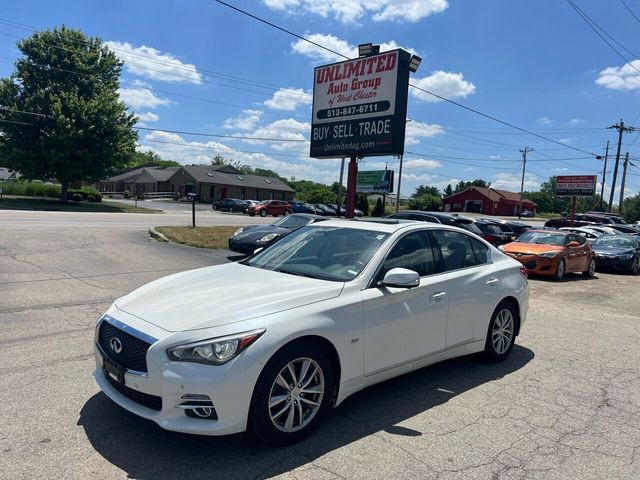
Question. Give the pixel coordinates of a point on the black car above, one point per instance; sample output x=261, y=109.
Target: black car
x=492, y=232
x=510, y=227
x=438, y=217
x=247, y=239
x=325, y=210
x=618, y=252
x=579, y=221
x=230, y=205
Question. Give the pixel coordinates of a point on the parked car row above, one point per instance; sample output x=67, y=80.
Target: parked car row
x=279, y=207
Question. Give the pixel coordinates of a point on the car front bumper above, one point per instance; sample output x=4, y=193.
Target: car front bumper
x=614, y=262
x=229, y=387
x=537, y=265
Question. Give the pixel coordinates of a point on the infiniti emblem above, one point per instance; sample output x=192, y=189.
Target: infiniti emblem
x=115, y=344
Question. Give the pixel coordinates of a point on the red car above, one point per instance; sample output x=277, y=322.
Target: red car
x=270, y=207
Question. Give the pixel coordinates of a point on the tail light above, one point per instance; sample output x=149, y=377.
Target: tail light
x=524, y=272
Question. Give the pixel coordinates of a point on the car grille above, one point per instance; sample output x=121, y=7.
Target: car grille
x=144, y=399
x=134, y=351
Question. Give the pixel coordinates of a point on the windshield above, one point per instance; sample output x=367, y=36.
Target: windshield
x=614, y=241
x=292, y=222
x=337, y=254
x=547, y=238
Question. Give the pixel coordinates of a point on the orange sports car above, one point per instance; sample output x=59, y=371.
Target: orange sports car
x=552, y=253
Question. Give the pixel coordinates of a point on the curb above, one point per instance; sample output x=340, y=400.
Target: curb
x=153, y=233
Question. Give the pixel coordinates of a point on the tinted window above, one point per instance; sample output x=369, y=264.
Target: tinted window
x=471, y=227
x=480, y=250
x=505, y=228
x=413, y=251
x=456, y=250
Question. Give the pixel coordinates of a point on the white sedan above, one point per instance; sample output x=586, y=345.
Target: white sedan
x=270, y=343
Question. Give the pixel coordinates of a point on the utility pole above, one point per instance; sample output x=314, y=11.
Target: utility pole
x=604, y=174
x=340, y=186
x=620, y=127
x=624, y=177
x=524, y=166
x=399, y=181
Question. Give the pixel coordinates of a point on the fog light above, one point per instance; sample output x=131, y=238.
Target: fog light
x=207, y=413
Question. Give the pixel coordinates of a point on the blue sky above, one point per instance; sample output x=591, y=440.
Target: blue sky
x=199, y=66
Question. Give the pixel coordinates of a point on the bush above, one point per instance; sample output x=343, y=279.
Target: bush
x=91, y=198
x=126, y=194
x=425, y=202
x=77, y=197
x=30, y=189
x=362, y=203
x=378, y=210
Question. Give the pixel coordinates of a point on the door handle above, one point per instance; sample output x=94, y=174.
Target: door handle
x=492, y=281
x=438, y=295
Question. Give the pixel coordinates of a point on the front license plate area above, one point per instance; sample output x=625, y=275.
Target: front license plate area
x=113, y=369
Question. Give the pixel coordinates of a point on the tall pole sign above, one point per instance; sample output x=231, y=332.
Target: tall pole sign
x=359, y=110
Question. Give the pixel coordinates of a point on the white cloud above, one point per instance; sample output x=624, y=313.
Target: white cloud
x=621, y=78
x=416, y=130
x=285, y=129
x=511, y=181
x=320, y=55
x=446, y=84
x=148, y=117
x=141, y=97
x=544, y=121
x=577, y=121
x=422, y=164
x=566, y=140
x=172, y=146
x=349, y=11
x=495, y=157
x=289, y=99
x=247, y=120
x=151, y=63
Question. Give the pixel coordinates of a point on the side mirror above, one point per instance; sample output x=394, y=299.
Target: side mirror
x=401, y=278
x=573, y=244
x=513, y=239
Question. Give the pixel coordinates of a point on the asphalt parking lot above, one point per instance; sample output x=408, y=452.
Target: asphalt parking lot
x=565, y=405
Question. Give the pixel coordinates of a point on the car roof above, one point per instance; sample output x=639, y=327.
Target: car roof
x=434, y=214
x=542, y=230
x=308, y=215
x=391, y=226
x=485, y=221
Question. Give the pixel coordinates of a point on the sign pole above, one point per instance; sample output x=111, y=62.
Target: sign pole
x=340, y=185
x=573, y=209
x=351, y=186
x=399, y=181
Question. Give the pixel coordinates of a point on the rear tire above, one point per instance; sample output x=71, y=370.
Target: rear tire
x=560, y=269
x=501, y=335
x=280, y=414
x=591, y=268
x=286, y=213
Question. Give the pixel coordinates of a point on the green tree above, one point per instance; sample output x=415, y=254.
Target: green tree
x=362, y=203
x=559, y=204
x=448, y=191
x=425, y=202
x=425, y=190
x=143, y=158
x=544, y=202
x=378, y=210
x=478, y=182
x=631, y=208
x=82, y=131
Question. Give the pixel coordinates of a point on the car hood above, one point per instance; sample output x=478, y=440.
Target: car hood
x=223, y=294
x=530, y=248
x=257, y=232
x=602, y=249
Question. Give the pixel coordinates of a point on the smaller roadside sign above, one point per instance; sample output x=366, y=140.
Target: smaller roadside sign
x=576, y=185
x=374, y=181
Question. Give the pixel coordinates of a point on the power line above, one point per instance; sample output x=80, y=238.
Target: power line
x=630, y=11
x=238, y=137
x=593, y=26
x=23, y=112
x=491, y=117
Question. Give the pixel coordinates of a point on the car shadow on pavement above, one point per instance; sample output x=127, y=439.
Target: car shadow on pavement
x=569, y=277
x=145, y=451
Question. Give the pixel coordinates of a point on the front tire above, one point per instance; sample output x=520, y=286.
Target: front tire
x=263, y=213
x=502, y=333
x=560, y=269
x=293, y=391
x=591, y=269
x=635, y=265
x=286, y=213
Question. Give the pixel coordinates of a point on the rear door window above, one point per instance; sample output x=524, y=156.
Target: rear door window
x=455, y=250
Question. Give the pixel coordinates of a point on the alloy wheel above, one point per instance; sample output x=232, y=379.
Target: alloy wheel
x=592, y=268
x=502, y=333
x=296, y=395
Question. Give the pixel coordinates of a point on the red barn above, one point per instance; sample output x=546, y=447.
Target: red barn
x=488, y=201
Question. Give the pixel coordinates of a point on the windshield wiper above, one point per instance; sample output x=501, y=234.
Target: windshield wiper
x=294, y=272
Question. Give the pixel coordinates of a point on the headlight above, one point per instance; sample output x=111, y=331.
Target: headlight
x=215, y=351
x=551, y=254
x=237, y=232
x=268, y=238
